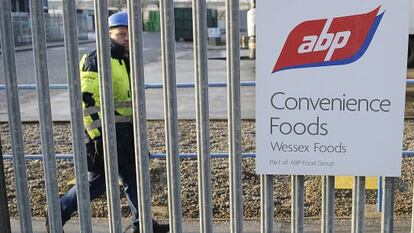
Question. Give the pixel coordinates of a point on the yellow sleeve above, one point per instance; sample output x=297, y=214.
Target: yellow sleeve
x=90, y=106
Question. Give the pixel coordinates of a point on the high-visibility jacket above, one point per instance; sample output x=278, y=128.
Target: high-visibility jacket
x=121, y=89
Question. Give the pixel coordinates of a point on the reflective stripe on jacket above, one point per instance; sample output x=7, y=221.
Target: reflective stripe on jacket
x=90, y=91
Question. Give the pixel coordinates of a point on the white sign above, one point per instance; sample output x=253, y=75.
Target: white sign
x=330, y=87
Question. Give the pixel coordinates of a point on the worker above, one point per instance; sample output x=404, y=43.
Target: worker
x=120, y=66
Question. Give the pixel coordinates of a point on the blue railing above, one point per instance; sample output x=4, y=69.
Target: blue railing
x=153, y=85
x=147, y=85
x=405, y=154
x=220, y=155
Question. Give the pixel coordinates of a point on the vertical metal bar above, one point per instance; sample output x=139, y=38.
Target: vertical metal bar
x=324, y=202
x=328, y=204
x=78, y=144
x=387, y=223
x=4, y=205
x=299, y=204
x=202, y=114
x=412, y=214
x=108, y=120
x=266, y=203
x=234, y=114
x=293, y=205
x=379, y=195
x=139, y=113
x=358, y=205
x=19, y=162
x=45, y=115
x=170, y=114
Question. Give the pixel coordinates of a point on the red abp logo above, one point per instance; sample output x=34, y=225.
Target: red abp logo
x=328, y=42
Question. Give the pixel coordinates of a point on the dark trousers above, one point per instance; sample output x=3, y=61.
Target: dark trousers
x=68, y=203
x=97, y=187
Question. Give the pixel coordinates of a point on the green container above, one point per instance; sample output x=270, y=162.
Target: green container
x=148, y=27
x=154, y=16
x=184, y=22
x=152, y=23
x=155, y=26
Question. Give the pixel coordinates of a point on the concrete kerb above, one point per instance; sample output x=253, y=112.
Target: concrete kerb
x=50, y=45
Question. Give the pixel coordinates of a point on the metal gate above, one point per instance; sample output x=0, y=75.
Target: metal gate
x=140, y=128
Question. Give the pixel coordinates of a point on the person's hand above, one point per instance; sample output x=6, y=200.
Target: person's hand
x=99, y=147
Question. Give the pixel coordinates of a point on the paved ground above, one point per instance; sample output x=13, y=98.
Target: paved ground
x=152, y=71
x=154, y=97
x=186, y=110
x=253, y=226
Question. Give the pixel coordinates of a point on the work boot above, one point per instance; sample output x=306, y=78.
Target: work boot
x=160, y=228
x=157, y=228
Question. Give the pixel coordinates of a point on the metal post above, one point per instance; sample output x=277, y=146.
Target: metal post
x=387, y=223
x=266, y=203
x=78, y=144
x=412, y=214
x=202, y=109
x=139, y=114
x=19, y=162
x=358, y=205
x=170, y=114
x=293, y=199
x=4, y=205
x=328, y=204
x=324, y=202
x=379, y=194
x=298, y=214
x=45, y=115
x=234, y=115
x=108, y=120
